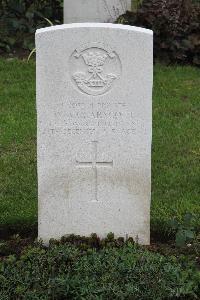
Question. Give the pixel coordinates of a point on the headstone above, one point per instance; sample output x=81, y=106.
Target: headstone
x=103, y=11
x=94, y=109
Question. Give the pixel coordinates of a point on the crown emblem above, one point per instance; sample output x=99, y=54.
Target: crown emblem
x=94, y=60
x=94, y=80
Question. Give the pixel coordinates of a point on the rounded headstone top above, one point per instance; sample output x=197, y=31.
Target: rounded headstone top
x=94, y=25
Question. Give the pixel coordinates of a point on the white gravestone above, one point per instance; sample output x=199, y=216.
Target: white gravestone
x=103, y=11
x=94, y=108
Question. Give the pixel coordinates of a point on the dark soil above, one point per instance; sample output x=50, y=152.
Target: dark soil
x=17, y=53
x=15, y=245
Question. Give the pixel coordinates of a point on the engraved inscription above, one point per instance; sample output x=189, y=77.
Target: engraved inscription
x=91, y=118
x=94, y=164
x=94, y=68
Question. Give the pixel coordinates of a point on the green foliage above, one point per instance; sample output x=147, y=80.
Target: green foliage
x=185, y=232
x=68, y=271
x=176, y=26
x=21, y=18
x=135, y=4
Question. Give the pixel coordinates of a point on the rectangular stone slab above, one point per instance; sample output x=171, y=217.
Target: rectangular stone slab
x=94, y=114
x=103, y=11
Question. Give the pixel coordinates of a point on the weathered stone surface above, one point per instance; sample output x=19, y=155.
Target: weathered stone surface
x=103, y=11
x=94, y=108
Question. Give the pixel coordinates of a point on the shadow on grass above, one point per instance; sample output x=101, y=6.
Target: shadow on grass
x=22, y=229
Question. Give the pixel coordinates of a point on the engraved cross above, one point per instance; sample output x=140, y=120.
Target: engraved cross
x=94, y=164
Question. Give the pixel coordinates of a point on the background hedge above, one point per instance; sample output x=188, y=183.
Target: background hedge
x=19, y=20
x=176, y=25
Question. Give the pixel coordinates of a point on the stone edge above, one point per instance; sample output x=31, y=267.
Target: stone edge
x=94, y=25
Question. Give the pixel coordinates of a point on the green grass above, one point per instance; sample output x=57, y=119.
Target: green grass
x=18, y=204
x=176, y=145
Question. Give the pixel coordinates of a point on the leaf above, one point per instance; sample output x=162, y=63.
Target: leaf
x=38, y=14
x=173, y=223
x=29, y=15
x=187, y=219
x=5, y=46
x=17, y=6
x=11, y=41
x=196, y=60
x=189, y=234
x=180, y=238
x=48, y=21
x=29, y=57
x=15, y=23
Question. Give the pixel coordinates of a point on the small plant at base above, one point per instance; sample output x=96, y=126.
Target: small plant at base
x=185, y=232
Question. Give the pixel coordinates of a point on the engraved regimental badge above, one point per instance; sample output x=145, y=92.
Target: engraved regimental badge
x=94, y=68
